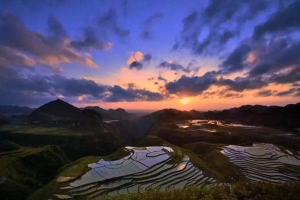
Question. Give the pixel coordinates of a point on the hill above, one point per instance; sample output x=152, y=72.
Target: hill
x=258, y=115
x=26, y=169
x=113, y=114
x=57, y=110
x=15, y=110
x=271, y=116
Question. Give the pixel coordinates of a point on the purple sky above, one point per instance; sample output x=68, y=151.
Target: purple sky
x=150, y=54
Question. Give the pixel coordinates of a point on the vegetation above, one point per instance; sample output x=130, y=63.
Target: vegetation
x=7, y=145
x=26, y=169
x=239, y=191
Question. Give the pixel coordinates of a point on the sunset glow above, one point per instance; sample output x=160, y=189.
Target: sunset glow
x=184, y=100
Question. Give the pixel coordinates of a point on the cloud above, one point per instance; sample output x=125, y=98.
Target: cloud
x=135, y=56
x=240, y=84
x=235, y=60
x=264, y=93
x=56, y=28
x=291, y=92
x=9, y=56
x=137, y=60
x=49, y=50
x=207, y=31
x=192, y=86
x=108, y=24
x=136, y=65
x=124, y=69
x=160, y=78
x=276, y=60
x=90, y=40
x=177, y=67
x=21, y=89
x=282, y=21
x=119, y=94
x=146, y=32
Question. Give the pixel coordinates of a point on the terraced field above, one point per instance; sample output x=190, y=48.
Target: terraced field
x=157, y=167
x=265, y=162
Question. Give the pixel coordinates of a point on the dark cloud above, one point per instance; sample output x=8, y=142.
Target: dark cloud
x=207, y=31
x=90, y=40
x=264, y=93
x=118, y=94
x=192, y=86
x=177, y=67
x=56, y=28
x=276, y=60
x=156, y=83
x=232, y=95
x=235, y=60
x=174, y=66
x=281, y=21
x=45, y=50
x=131, y=85
x=160, y=78
x=240, y=84
x=290, y=77
x=286, y=93
x=39, y=88
x=136, y=65
x=147, y=57
x=108, y=23
x=147, y=25
x=9, y=57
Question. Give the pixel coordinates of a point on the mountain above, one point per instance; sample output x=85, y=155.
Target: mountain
x=88, y=117
x=166, y=115
x=57, y=110
x=112, y=114
x=271, y=116
x=15, y=110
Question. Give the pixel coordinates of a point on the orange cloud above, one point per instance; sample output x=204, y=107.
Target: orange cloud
x=135, y=56
x=251, y=57
x=138, y=56
x=124, y=69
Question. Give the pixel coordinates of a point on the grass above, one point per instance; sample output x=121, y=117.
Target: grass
x=239, y=191
x=202, y=148
x=78, y=167
x=210, y=154
x=74, y=169
x=27, y=169
x=38, y=130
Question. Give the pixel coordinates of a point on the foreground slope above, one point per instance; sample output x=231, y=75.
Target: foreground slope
x=24, y=170
x=159, y=167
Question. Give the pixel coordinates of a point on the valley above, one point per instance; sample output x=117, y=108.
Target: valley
x=74, y=153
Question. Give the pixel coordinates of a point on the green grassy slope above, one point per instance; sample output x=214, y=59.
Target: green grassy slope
x=27, y=169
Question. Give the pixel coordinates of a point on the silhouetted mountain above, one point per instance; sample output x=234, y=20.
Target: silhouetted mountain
x=15, y=110
x=111, y=114
x=272, y=116
x=166, y=115
x=57, y=110
x=89, y=117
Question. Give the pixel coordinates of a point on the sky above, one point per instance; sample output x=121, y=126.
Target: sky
x=150, y=54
